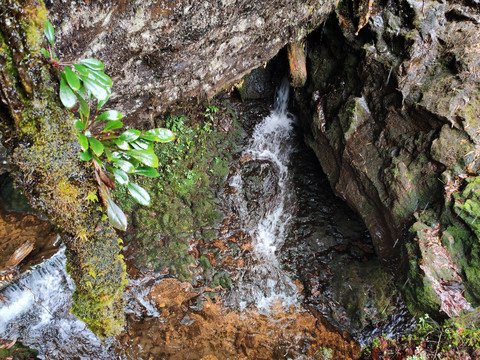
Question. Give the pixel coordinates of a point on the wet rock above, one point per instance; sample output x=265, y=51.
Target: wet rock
x=172, y=294
x=256, y=85
x=3, y=159
x=18, y=229
x=393, y=114
x=12, y=198
x=161, y=52
x=260, y=184
x=453, y=149
x=442, y=287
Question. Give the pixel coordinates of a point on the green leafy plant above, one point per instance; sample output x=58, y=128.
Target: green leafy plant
x=175, y=123
x=115, y=154
x=453, y=339
x=210, y=112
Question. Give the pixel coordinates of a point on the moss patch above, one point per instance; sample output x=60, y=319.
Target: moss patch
x=192, y=169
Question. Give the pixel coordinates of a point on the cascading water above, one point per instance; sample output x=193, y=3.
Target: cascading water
x=37, y=311
x=284, y=222
x=260, y=203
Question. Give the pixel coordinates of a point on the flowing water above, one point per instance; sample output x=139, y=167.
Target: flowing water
x=37, y=312
x=261, y=201
x=295, y=226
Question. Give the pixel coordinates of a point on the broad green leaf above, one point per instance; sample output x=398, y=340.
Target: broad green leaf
x=120, y=176
x=101, y=78
x=49, y=32
x=147, y=171
x=84, y=109
x=108, y=153
x=95, y=88
x=93, y=64
x=83, y=141
x=117, y=155
x=102, y=102
x=130, y=135
x=160, y=135
x=67, y=96
x=137, y=146
x=125, y=165
x=72, y=78
x=79, y=125
x=45, y=53
x=96, y=146
x=121, y=144
x=113, y=125
x=139, y=194
x=147, y=157
x=82, y=69
x=109, y=115
x=142, y=144
x=115, y=214
x=86, y=155
x=83, y=93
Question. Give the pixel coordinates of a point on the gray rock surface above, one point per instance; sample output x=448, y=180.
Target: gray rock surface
x=394, y=119
x=160, y=51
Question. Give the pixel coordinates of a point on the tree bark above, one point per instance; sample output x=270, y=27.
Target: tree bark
x=42, y=142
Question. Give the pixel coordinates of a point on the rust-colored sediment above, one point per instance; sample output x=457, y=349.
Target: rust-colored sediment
x=214, y=331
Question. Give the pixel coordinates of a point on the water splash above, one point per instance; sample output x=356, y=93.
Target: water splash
x=37, y=312
x=264, y=218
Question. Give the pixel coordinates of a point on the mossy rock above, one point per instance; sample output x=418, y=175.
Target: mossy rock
x=453, y=149
x=12, y=198
x=44, y=162
x=366, y=303
x=354, y=113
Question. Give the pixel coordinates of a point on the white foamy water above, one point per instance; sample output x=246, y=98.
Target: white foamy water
x=37, y=313
x=263, y=283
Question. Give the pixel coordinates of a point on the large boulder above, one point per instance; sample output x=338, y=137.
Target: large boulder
x=160, y=51
x=392, y=108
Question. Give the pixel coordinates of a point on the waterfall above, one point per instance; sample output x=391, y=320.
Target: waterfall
x=265, y=219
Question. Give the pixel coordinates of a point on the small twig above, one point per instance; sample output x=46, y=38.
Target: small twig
x=474, y=219
x=438, y=344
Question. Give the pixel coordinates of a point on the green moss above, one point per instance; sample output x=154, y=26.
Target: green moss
x=47, y=167
x=462, y=236
x=192, y=168
x=419, y=295
x=33, y=24
x=471, y=113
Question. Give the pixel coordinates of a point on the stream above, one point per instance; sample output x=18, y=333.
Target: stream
x=303, y=249
x=260, y=199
